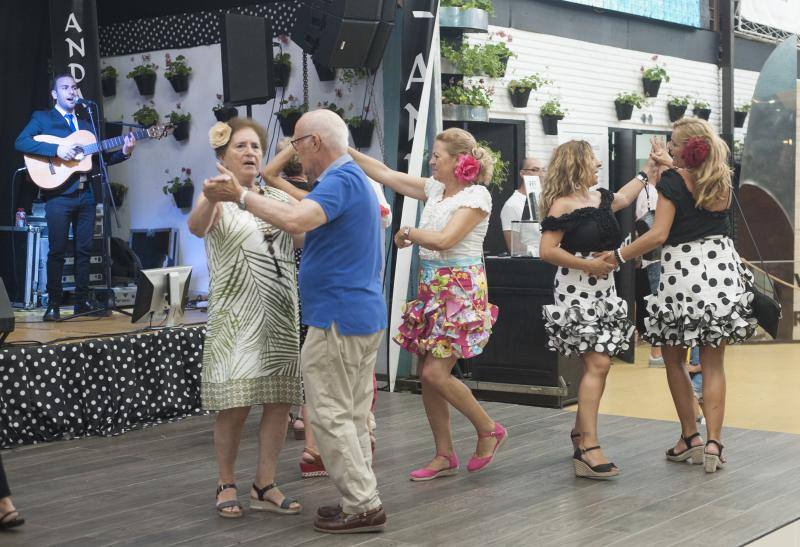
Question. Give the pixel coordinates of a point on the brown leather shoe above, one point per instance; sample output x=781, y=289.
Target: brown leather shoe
x=343, y=523
x=328, y=512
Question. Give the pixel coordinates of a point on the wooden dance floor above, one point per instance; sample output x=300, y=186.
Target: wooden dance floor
x=155, y=487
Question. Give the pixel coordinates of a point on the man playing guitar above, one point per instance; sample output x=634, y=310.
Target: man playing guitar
x=74, y=201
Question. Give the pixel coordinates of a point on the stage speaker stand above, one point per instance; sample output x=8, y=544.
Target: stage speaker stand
x=6, y=314
x=247, y=76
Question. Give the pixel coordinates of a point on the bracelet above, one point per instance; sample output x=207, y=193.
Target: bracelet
x=618, y=256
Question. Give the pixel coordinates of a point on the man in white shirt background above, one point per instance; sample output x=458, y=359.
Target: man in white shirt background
x=516, y=206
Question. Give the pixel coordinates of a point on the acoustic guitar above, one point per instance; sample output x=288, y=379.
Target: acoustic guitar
x=49, y=173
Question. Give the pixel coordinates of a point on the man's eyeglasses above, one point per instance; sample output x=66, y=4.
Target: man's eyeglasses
x=298, y=139
x=535, y=170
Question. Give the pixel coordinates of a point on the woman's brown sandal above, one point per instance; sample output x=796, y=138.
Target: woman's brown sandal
x=601, y=471
x=224, y=507
x=694, y=453
x=264, y=504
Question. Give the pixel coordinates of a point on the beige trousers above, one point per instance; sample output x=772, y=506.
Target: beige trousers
x=337, y=376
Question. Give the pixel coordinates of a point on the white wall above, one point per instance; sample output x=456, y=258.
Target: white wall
x=145, y=205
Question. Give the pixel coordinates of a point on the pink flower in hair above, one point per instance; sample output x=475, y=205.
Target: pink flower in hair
x=467, y=168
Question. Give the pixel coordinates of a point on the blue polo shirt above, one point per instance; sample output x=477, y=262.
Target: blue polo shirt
x=340, y=274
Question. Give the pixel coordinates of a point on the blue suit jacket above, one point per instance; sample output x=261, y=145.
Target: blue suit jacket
x=51, y=122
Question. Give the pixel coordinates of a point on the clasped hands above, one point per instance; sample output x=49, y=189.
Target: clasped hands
x=223, y=187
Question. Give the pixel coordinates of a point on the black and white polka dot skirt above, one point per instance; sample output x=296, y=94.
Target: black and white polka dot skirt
x=587, y=315
x=702, y=297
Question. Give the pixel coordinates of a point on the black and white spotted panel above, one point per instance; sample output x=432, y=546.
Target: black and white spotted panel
x=99, y=387
x=188, y=29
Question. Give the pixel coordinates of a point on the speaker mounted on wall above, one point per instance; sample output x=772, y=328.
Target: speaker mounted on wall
x=246, y=46
x=345, y=33
x=6, y=314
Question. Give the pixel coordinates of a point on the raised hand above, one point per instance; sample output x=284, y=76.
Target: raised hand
x=223, y=187
x=659, y=152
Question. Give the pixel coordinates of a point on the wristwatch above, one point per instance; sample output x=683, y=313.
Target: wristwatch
x=242, y=196
x=642, y=176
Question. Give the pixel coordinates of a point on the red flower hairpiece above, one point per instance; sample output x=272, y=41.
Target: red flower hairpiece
x=467, y=168
x=695, y=152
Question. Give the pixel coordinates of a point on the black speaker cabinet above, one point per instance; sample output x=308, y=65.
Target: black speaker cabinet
x=6, y=313
x=246, y=46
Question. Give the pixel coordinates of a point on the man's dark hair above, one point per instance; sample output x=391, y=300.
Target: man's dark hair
x=57, y=77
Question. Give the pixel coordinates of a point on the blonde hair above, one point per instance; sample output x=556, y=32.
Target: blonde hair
x=457, y=142
x=572, y=167
x=293, y=168
x=712, y=179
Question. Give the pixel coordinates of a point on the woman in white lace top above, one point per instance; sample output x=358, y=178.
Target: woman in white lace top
x=451, y=318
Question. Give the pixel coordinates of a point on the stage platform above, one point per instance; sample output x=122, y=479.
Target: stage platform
x=155, y=487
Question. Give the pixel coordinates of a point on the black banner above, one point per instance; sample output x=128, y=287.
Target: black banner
x=74, y=38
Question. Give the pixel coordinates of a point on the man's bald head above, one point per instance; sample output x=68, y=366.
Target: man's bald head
x=328, y=125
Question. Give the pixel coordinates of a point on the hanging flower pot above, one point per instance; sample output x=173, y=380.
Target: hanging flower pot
x=184, y=196
x=118, y=192
x=465, y=20
x=520, y=96
x=180, y=82
x=676, y=111
x=280, y=74
x=550, y=124
x=181, y=131
x=361, y=130
x=465, y=113
x=624, y=110
x=146, y=83
x=288, y=121
x=112, y=130
x=651, y=87
x=739, y=117
x=702, y=113
x=504, y=62
x=109, y=86
x=324, y=73
x=224, y=113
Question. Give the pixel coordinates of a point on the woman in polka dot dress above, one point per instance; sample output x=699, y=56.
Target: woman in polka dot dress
x=703, y=298
x=588, y=319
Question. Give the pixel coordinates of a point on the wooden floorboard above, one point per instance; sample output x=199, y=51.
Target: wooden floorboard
x=155, y=487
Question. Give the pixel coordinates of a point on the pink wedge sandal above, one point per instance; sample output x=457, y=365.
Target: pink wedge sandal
x=425, y=474
x=500, y=434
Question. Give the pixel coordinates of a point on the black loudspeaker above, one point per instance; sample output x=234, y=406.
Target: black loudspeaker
x=6, y=313
x=345, y=33
x=246, y=60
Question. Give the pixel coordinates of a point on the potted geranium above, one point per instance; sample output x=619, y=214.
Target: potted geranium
x=625, y=102
x=281, y=68
x=351, y=76
x=332, y=107
x=181, y=122
x=520, y=90
x=288, y=114
x=676, y=107
x=177, y=73
x=467, y=15
x=465, y=102
x=146, y=116
x=652, y=78
x=551, y=112
x=108, y=81
x=361, y=129
x=224, y=112
x=118, y=192
x=701, y=109
x=145, y=76
x=740, y=115
x=324, y=73
x=182, y=189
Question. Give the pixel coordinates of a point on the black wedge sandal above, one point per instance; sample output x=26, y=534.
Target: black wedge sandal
x=222, y=505
x=575, y=438
x=601, y=471
x=694, y=453
x=263, y=504
x=712, y=462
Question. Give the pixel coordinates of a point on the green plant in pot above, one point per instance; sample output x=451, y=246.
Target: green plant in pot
x=500, y=173
x=281, y=68
x=177, y=72
x=332, y=107
x=485, y=5
x=224, y=112
x=740, y=114
x=146, y=116
x=520, y=90
x=701, y=109
x=351, y=76
x=145, y=76
x=180, y=120
x=625, y=103
x=466, y=102
x=108, y=81
x=361, y=129
x=499, y=53
x=288, y=114
x=477, y=60
x=118, y=193
x=181, y=188
x=550, y=112
x=652, y=77
x=676, y=107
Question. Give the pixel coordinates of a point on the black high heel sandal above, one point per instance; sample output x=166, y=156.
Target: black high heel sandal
x=694, y=453
x=712, y=462
x=575, y=438
x=601, y=471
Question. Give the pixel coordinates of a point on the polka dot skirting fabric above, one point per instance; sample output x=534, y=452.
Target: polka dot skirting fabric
x=99, y=387
x=703, y=297
x=587, y=315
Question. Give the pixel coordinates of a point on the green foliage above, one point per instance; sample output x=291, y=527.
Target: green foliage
x=142, y=70
x=743, y=108
x=176, y=183
x=176, y=117
x=478, y=60
x=352, y=75
x=283, y=59
x=108, y=73
x=356, y=121
x=288, y=107
x=552, y=108
x=471, y=95
x=332, y=107
x=630, y=98
x=500, y=166
x=700, y=104
x=176, y=67
x=679, y=101
x=533, y=82
x=485, y=5
x=656, y=72
x=146, y=116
